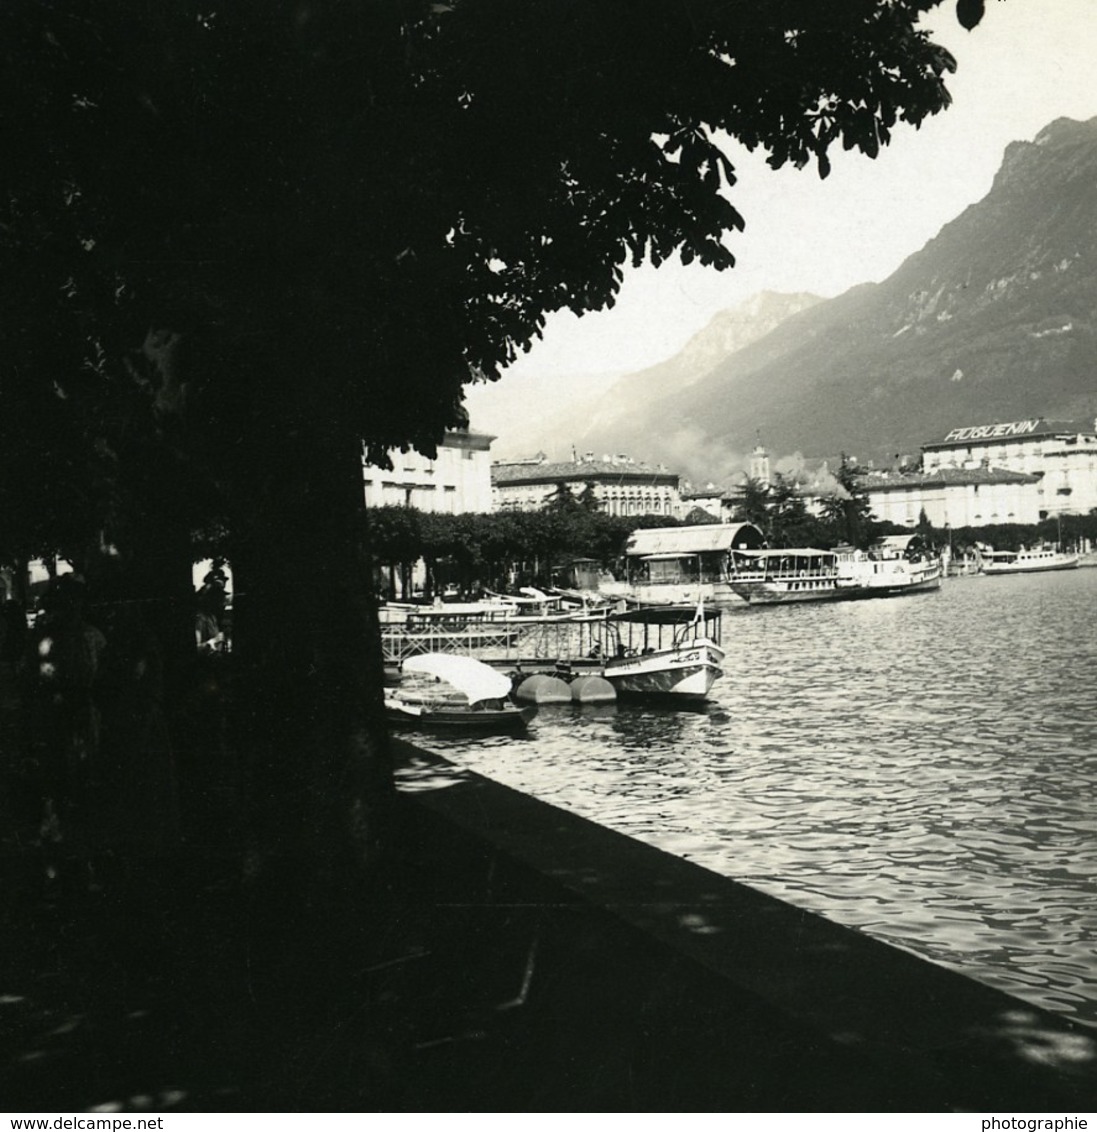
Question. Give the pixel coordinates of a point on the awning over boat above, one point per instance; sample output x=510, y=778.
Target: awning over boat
x=898, y=542
x=793, y=552
x=472, y=677
x=677, y=542
x=665, y=615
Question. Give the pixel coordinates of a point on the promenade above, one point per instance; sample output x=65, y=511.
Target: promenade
x=512, y=957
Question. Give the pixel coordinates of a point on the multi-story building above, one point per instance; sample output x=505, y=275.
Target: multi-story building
x=954, y=497
x=457, y=480
x=1063, y=455
x=620, y=485
x=979, y=475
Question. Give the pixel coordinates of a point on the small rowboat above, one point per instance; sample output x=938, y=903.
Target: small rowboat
x=456, y=693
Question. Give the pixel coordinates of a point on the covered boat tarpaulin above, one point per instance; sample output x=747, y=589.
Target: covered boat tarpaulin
x=469, y=676
x=671, y=542
x=898, y=544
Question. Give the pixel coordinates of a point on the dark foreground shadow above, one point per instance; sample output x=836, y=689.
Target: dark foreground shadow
x=509, y=958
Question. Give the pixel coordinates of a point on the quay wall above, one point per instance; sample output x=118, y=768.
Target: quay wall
x=598, y=973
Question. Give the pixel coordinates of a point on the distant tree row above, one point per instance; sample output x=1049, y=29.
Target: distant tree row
x=1069, y=531
x=472, y=551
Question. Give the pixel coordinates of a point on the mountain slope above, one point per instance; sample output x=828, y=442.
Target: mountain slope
x=726, y=333
x=605, y=406
x=994, y=319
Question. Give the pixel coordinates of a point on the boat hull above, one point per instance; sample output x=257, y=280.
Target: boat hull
x=686, y=672
x=458, y=718
x=786, y=592
x=892, y=584
x=863, y=593
x=1035, y=567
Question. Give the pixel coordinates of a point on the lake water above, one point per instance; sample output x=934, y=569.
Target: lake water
x=922, y=768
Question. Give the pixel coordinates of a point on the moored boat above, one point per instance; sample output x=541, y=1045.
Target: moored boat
x=1025, y=561
x=682, y=565
x=895, y=565
x=528, y=603
x=779, y=577
x=457, y=693
x=667, y=651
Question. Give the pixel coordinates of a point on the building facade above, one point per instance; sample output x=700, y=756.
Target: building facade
x=954, y=497
x=979, y=475
x=620, y=485
x=1062, y=455
x=457, y=480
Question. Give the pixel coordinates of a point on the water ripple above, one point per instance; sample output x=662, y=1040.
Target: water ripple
x=921, y=769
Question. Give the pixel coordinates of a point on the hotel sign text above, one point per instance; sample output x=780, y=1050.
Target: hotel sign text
x=988, y=432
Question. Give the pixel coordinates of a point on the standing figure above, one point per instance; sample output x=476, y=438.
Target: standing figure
x=210, y=599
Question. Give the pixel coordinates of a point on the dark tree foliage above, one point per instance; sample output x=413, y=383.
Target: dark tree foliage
x=848, y=509
x=488, y=551
x=1071, y=532
x=562, y=499
x=588, y=498
x=238, y=240
x=780, y=511
x=753, y=505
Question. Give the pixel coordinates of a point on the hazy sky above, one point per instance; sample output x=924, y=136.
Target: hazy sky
x=1028, y=63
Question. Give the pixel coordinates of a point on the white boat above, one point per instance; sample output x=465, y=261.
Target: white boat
x=897, y=564
x=665, y=651
x=682, y=565
x=1025, y=561
x=779, y=577
x=529, y=603
x=454, y=692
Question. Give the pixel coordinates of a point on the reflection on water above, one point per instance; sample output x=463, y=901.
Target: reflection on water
x=922, y=768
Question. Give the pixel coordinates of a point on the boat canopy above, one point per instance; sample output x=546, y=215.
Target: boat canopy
x=677, y=542
x=679, y=614
x=472, y=677
x=797, y=552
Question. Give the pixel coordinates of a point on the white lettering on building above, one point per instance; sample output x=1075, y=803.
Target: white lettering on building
x=989, y=432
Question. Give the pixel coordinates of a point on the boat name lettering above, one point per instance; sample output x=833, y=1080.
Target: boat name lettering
x=986, y=432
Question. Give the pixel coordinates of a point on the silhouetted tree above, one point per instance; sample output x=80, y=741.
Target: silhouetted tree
x=562, y=498
x=848, y=509
x=753, y=505
x=588, y=498
x=238, y=241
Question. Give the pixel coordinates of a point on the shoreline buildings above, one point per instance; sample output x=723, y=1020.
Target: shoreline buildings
x=456, y=481
x=978, y=475
x=621, y=485
x=1020, y=472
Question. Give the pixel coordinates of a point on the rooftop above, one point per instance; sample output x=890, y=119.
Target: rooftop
x=694, y=539
x=943, y=477
x=605, y=471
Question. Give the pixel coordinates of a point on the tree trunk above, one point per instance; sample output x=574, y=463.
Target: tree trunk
x=309, y=716
x=158, y=577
